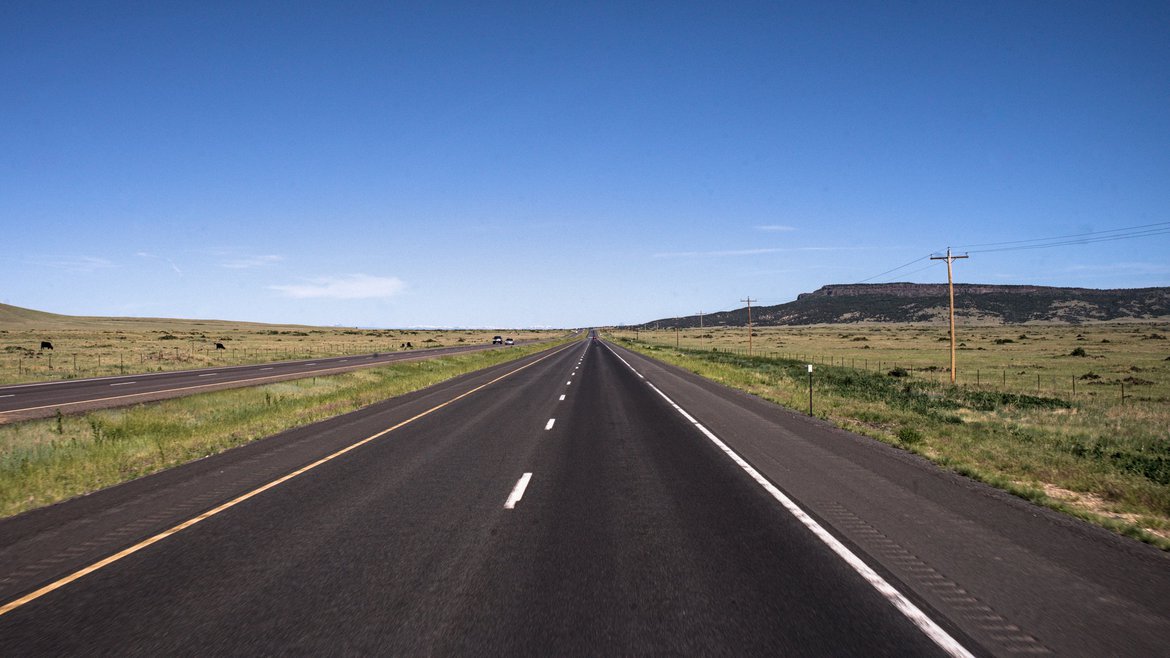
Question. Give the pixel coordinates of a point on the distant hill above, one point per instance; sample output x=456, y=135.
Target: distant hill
x=15, y=318
x=928, y=302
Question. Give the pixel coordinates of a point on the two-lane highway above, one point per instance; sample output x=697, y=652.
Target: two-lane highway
x=45, y=399
x=582, y=500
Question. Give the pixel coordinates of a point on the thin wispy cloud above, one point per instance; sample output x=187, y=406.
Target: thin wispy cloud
x=77, y=264
x=251, y=262
x=239, y=259
x=776, y=228
x=748, y=252
x=351, y=286
x=168, y=261
x=1120, y=268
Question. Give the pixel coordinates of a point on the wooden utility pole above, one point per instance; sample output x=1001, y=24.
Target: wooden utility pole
x=951, y=285
x=749, y=301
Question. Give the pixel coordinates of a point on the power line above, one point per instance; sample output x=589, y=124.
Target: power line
x=1082, y=241
x=916, y=260
x=1102, y=235
x=1108, y=235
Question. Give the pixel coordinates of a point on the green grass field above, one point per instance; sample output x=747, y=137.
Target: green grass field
x=1014, y=420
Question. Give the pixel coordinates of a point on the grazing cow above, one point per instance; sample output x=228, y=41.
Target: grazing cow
x=402, y=346
x=219, y=346
x=46, y=345
x=409, y=346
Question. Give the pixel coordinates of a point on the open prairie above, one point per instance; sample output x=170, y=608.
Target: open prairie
x=1094, y=359
x=94, y=347
x=1075, y=417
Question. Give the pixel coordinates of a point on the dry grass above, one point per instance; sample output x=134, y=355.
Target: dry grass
x=1029, y=359
x=92, y=347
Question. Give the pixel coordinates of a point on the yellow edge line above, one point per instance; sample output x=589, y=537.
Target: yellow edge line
x=305, y=373
x=8, y=607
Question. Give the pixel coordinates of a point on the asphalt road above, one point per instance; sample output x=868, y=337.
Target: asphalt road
x=572, y=502
x=44, y=399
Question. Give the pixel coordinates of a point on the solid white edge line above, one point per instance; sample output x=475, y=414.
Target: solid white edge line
x=518, y=491
x=549, y=424
x=891, y=594
x=123, y=383
x=619, y=356
x=12, y=395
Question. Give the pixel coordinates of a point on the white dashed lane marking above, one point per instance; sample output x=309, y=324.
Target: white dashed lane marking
x=549, y=424
x=518, y=491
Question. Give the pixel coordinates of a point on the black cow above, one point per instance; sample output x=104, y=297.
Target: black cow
x=219, y=346
x=409, y=346
x=46, y=345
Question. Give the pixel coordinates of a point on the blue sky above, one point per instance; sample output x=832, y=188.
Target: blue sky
x=542, y=164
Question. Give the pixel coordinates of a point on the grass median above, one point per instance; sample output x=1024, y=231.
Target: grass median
x=1106, y=463
x=46, y=461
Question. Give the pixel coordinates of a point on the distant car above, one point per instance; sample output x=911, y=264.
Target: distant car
x=497, y=340
x=509, y=342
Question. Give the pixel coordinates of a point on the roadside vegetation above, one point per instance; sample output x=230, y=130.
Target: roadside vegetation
x=100, y=347
x=1090, y=453
x=46, y=461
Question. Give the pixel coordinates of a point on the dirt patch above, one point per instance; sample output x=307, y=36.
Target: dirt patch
x=1097, y=505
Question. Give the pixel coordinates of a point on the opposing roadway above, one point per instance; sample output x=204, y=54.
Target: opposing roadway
x=582, y=500
x=45, y=399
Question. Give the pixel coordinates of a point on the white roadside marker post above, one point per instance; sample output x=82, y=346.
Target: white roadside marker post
x=810, y=406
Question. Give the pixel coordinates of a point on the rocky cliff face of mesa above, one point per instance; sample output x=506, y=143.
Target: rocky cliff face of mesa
x=928, y=302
